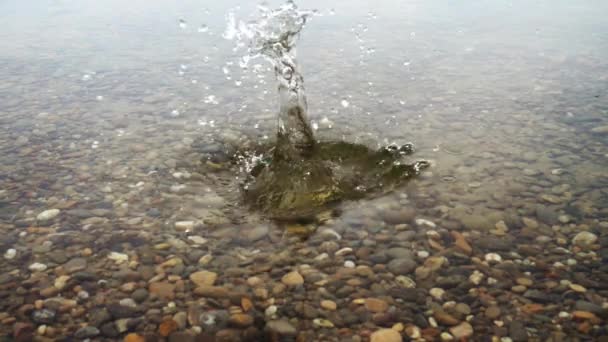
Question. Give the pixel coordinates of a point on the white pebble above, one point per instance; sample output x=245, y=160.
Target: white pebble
x=343, y=251
x=47, y=215
x=349, y=264
x=445, y=336
x=492, y=281
x=10, y=254
x=564, y=314
x=423, y=254
x=271, y=310
x=493, y=257
x=198, y=240
x=119, y=258
x=476, y=277
x=37, y=267
x=423, y=222
x=437, y=293
x=184, y=225
x=83, y=294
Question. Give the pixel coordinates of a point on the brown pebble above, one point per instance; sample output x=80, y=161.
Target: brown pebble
x=167, y=327
x=376, y=305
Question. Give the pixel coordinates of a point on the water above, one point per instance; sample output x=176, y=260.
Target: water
x=506, y=99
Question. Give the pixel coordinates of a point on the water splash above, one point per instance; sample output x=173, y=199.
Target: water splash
x=273, y=36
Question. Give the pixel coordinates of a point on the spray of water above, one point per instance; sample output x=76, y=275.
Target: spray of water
x=273, y=36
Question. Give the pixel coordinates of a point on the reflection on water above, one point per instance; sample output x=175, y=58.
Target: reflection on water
x=111, y=227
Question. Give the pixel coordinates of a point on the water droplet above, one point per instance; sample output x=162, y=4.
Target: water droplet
x=406, y=63
x=194, y=81
x=175, y=113
x=86, y=77
x=401, y=102
x=203, y=28
x=182, y=24
x=344, y=103
x=99, y=98
x=332, y=11
x=238, y=83
x=413, y=34
x=225, y=70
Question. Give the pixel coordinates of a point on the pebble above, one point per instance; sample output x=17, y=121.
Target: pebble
x=37, y=267
x=584, y=239
x=10, y=253
x=386, y=335
x=281, y=327
x=48, y=215
x=292, y=279
x=203, y=278
x=401, y=266
x=61, y=281
x=349, y=264
x=86, y=332
x=493, y=257
x=118, y=258
x=329, y=305
x=184, y=225
x=376, y=305
x=462, y=331
x=437, y=293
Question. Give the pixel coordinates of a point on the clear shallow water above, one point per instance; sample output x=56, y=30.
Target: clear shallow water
x=502, y=98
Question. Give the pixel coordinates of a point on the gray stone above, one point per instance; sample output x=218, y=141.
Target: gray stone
x=75, y=265
x=400, y=253
x=139, y=295
x=86, y=332
x=256, y=233
x=402, y=266
x=547, y=215
x=403, y=215
x=121, y=311
x=98, y=316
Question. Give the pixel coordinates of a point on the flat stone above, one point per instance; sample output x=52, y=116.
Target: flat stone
x=241, y=320
x=203, y=278
x=386, y=335
x=281, y=327
x=256, y=233
x=163, y=290
x=86, y=332
x=213, y=292
x=492, y=312
x=584, y=239
x=121, y=311
x=376, y=305
x=401, y=266
x=292, y=279
x=43, y=316
x=329, y=305
x=75, y=265
x=600, y=130
x=403, y=215
x=48, y=215
x=462, y=331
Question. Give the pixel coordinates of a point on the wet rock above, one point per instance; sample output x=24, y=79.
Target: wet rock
x=109, y=330
x=86, y=332
x=75, y=265
x=401, y=266
x=538, y=296
x=400, y=253
x=43, y=316
x=167, y=327
x=182, y=336
x=329, y=305
x=386, y=335
x=601, y=130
